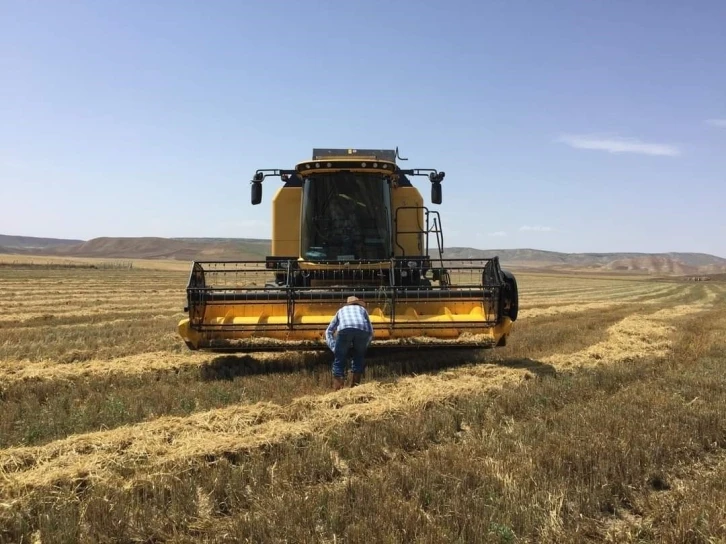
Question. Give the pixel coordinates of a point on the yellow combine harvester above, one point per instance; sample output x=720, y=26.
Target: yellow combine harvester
x=349, y=222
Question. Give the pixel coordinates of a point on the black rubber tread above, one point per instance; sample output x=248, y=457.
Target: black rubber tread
x=512, y=293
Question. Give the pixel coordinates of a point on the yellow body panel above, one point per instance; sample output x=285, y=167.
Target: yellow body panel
x=287, y=203
x=286, y=222
x=408, y=221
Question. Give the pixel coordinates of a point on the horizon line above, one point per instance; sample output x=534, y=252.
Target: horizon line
x=76, y=240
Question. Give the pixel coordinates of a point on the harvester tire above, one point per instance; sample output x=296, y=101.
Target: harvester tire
x=511, y=293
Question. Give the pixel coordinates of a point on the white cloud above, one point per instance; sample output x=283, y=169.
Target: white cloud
x=499, y=233
x=716, y=122
x=536, y=228
x=616, y=144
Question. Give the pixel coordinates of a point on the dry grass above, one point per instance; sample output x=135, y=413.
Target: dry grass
x=21, y=261
x=602, y=420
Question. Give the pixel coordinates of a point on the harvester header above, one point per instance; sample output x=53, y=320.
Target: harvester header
x=348, y=222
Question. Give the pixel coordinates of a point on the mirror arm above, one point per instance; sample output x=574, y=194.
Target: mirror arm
x=260, y=175
x=266, y=172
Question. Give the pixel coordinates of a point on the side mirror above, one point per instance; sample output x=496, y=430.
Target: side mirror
x=436, y=192
x=256, y=192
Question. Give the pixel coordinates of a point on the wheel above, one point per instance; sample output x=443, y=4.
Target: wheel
x=510, y=299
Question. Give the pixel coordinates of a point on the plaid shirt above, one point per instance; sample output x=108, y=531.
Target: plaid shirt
x=351, y=316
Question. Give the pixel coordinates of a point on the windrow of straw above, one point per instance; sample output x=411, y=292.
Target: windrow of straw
x=14, y=371
x=165, y=442
x=635, y=337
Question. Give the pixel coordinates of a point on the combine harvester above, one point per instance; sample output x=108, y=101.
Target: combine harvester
x=349, y=222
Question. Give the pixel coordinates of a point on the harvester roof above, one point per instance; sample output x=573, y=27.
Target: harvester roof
x=326, y=161
x=371, y=154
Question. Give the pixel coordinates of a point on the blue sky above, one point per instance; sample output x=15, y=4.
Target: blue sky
x=564, y=125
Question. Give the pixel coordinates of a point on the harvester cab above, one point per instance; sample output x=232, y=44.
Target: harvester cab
x=349, y=222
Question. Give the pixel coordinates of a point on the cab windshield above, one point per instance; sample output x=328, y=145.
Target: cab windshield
x=346, y=216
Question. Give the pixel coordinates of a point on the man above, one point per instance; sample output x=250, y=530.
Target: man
x=354, y=331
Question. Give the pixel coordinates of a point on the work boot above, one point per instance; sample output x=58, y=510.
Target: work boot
x=338, y=383
x=355, y=378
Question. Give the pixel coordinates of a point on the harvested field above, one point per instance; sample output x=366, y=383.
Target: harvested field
x=603, y=420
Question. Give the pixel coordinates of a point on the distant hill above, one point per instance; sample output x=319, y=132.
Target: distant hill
x=165, y=248
x=651, y=263
x=182, y=249
x=188, y=249
x=654, y=263
x=30, y=242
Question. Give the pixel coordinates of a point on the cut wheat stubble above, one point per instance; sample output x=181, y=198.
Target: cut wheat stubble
x=173, y=441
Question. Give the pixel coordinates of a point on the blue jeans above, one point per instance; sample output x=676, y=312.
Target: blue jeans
x=347, y=339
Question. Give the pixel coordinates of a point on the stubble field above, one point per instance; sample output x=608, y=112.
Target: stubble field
x=603, y=420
